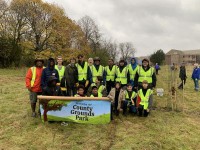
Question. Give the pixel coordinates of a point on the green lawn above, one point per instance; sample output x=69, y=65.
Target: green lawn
x=163, y=129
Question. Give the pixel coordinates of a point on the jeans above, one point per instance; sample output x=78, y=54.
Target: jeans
x=196, y=84
x=132, y=108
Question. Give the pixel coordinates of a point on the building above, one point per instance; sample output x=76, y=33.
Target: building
x=179, y=56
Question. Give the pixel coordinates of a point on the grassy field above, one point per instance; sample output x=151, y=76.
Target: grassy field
x=163, y=129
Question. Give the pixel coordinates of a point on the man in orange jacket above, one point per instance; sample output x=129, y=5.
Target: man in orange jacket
x=33, y=83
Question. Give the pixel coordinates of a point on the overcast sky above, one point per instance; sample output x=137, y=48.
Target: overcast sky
x=149, y=24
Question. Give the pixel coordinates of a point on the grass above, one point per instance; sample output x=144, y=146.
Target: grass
x=163, y=129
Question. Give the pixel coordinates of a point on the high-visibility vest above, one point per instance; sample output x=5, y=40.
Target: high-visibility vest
x=82, y=72
x=133, y=95
x=100, y=88
x=144, y=99
x=60, y=71
x=76, y=95
x=145, y=75
x=33, y=69
x=96, y=73
x=99, y=95
x=122, y=76
x=110, y=74
x=132, y=72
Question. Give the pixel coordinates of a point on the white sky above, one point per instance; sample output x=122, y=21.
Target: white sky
x=149, y=24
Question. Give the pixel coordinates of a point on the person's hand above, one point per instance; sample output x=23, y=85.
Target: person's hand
x=147, y=110
x=77, y=84
x=86, y=83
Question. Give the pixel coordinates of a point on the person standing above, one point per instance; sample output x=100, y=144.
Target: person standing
x=132, y=67
x=33, y=82
x=97, y=70
x=71, y=77
x=182, y=76
x=157, y=67
x=122, y=74
x=60, y=68
x=83, y=72
x=47, y=72
x=145, y=72
x=196, y=76
x=90, y=62
x=110, y=73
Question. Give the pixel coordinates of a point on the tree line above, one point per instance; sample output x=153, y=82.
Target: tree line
x=33, y=28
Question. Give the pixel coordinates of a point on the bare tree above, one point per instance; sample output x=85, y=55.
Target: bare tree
x=127, y=50
x=91, y=32
x=111, y=48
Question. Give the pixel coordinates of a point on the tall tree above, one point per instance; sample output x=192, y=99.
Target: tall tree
x=91, y=32
x=127, y=50
x=158, y=57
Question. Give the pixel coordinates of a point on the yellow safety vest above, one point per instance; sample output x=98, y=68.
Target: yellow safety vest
x=96, y=73
x=100, y=88
x=144, y=99
x=99, y=95
x=122, y=76
x=110, y=74
x=132, y=96
x=33, y=69
x=145, y=75
x=132, y=72
x=82, y=72
x=60, y=71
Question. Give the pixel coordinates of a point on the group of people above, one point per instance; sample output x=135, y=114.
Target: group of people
x=129, y=86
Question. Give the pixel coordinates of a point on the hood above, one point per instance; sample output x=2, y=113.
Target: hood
x=135, y=64
x=51, y=59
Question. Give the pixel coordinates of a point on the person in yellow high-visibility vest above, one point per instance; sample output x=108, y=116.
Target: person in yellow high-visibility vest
x=101, y=87
x=60, y=68
x=97, y=70
x=144, y=99
x=33, y=81
x=130, y=100
x=110, y=73
x=133, y=68
x=95, y=92
x=145, y=72
x=122, y=74
x=84, y=73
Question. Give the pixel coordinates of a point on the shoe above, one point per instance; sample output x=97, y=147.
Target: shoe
x=33, y=114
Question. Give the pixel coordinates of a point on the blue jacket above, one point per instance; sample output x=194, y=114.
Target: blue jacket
x=47, y=72
x=196, y=73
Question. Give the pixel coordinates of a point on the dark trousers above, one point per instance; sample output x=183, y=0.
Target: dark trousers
x=109, y=86
x=71, y=90
x=132, y=108
x=114, y=109
x=183, y=81
x=142, y=111
x=157, y=71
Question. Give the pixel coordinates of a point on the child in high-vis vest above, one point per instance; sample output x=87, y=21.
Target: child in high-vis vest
x=130, y=100
x=95, y=92
x=144, y=100
x=99, y=85
x=80, y=91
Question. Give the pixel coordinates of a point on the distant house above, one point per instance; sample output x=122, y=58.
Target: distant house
x=179, y=56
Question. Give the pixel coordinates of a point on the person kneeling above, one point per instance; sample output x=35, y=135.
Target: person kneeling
x=130, y=100
x=116, y=95
x=80, y=91
x=52, y=89
x=95, y=92
x=144, y=100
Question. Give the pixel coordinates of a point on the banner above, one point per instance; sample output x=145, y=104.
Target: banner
x=80, y=111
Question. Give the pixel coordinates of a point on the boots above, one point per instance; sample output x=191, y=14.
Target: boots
x=33, y=105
